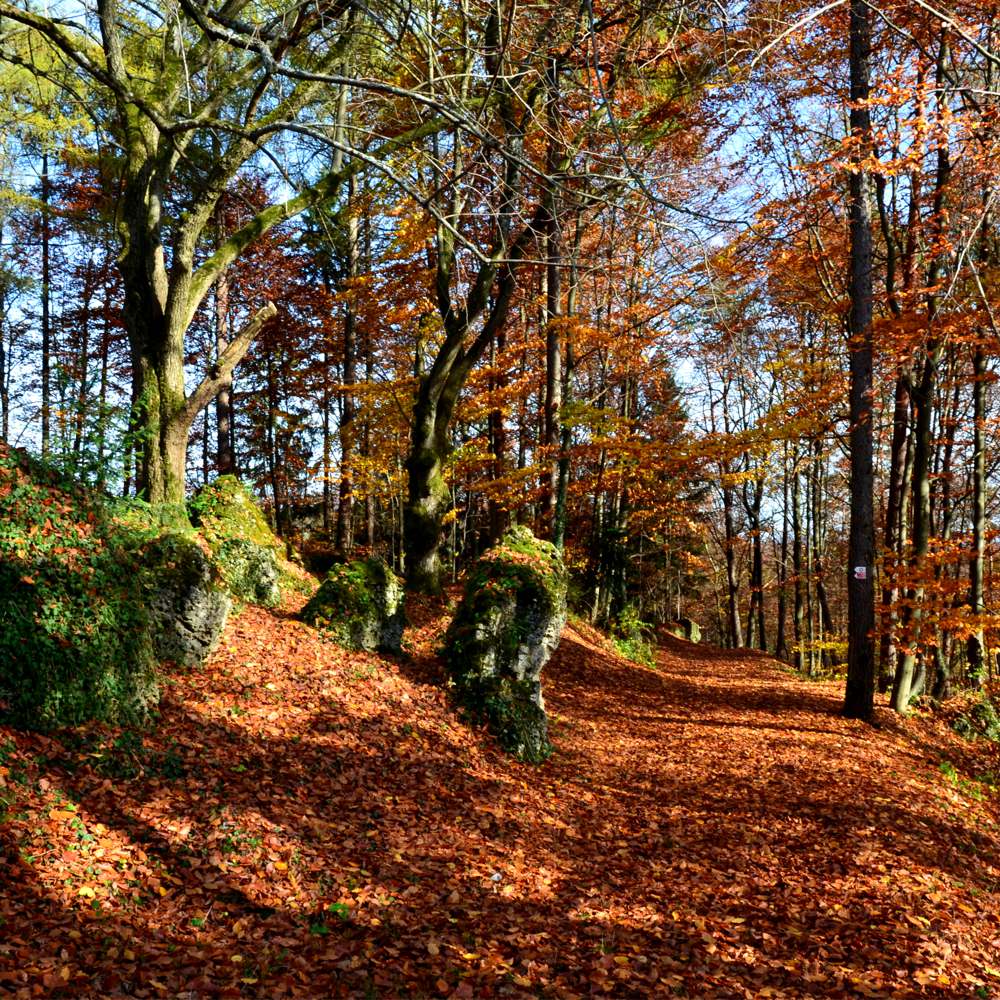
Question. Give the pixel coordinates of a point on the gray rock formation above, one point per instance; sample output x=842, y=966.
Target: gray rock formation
x=506, y=628
x=691, y=629
x=250, y=571
x=187, y=608
x=360, y=606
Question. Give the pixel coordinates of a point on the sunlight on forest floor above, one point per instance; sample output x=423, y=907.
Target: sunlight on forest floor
x=309, y=822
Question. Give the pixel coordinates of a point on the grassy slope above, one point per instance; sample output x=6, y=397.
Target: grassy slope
x=308, y=822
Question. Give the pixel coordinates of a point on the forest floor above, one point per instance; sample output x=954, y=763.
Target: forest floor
x=304, y=822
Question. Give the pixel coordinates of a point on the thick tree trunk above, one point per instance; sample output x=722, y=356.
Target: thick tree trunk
x=859, y=697
x=428, y=497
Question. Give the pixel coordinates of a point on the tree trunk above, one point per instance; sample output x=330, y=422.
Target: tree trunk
x=224, y=459
x=781, y=642
x=906, y=684
x=83, y=390
x=732, y=578
x=859, y=697
x=892, y=538
x=975, y=646
x=428, y=497
x=46, y=290
x=553, y=352
x=344, y=540
x=798, y=615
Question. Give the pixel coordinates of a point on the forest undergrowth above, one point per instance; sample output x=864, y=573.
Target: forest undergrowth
x=305, y=822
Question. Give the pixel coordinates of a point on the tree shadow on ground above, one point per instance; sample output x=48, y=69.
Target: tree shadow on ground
x=671, y=825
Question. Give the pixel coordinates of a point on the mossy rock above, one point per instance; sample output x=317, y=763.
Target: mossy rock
x=250, y=571
x=360, y=606
x=188, y=606
x=246, y=551
x=506, y=628
x=686, y=628
x=75, y=643
x=981, y=720
x=225, y=509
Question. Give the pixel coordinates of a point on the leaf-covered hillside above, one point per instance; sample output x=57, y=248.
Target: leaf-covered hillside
x=306, y=822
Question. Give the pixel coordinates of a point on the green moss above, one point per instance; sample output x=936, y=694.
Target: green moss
x=74, y=637
x=982, y=719
x=507, y=707
x=500, y=637
x=633, y=637
x=246, y=551
x=360, y=606
x=521, y=568
x=225, y=510
x=250, y=571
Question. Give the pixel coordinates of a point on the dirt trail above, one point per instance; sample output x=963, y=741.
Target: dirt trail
x=307, y=822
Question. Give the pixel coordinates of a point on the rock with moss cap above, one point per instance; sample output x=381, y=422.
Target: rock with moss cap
x=360, y=606
x=245, y=549
x=187, y=606
x=250, y=571
x=506, y=628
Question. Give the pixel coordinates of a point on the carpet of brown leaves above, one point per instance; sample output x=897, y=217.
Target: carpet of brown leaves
x=304, y=822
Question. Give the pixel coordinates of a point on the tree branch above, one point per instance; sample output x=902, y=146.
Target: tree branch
x=222, y=370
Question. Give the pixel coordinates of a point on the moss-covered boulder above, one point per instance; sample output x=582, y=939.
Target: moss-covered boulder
x=243, y=546
x=226, y=509
x=685, y=628
x=360, y=606
x=250, y=571
x=75, y=642
x=505, y=630
x=187, y=605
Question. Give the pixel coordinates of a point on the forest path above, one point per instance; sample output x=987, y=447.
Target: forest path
x=307, y=822
x=773, y=845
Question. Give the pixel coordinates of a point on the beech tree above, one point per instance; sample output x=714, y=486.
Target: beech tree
x=169, y=87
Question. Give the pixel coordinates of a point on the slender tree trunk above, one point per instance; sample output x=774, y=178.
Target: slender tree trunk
x=859, y=698
x=553, y=331
x=566, y=439
x=781, y=641
x=224, y=459
x=892, y=538
x=732, y=577
x=975, y=647
x=344, y=541
x=798, y=614
x=327, y=447
x=908, y=681
x=498, y=443
x=4, y=364
x=828, y=630
x=83, y=389
x=46, y=196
